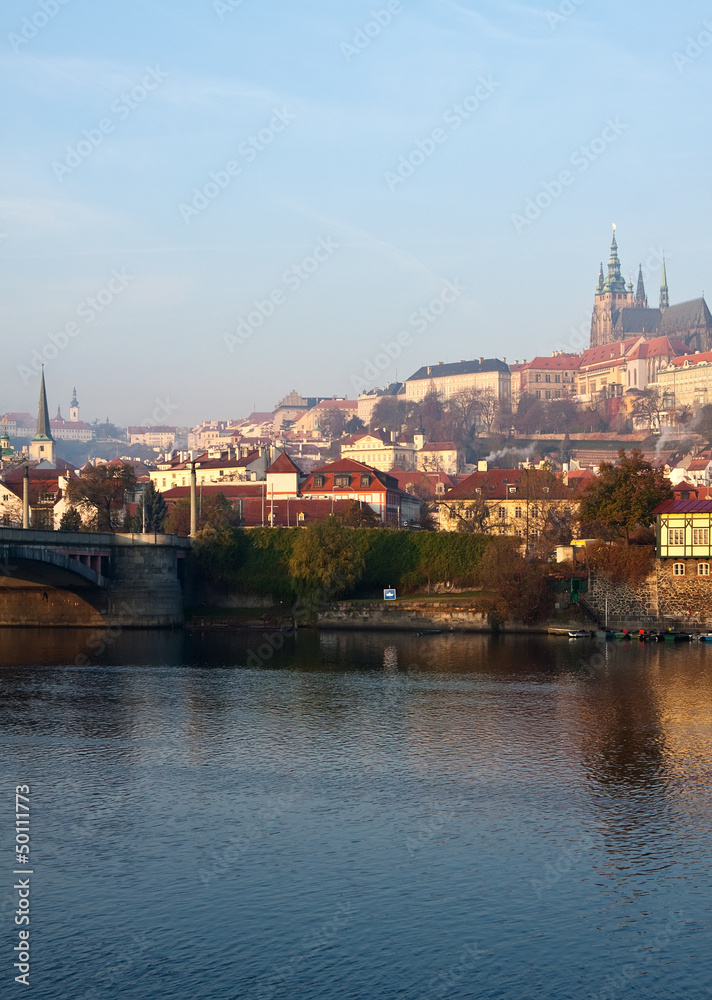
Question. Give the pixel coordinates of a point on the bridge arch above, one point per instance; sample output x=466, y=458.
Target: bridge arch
x=50, y=557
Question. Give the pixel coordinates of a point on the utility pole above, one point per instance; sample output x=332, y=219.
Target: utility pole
x=193, y=505
x=26, y=498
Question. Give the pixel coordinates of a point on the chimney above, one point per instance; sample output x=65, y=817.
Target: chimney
x=480, y=360
x=482, y=465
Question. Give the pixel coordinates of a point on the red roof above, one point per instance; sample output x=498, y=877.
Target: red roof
x=439, y=446
x=684, y=507
x=561, y=362
x=497, y=484
x=692, y=358
x=658, y=347
x=337, y=404
x=284, y=464
x=608, y=352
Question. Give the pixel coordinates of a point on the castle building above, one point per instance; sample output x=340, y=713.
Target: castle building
x=620, y=312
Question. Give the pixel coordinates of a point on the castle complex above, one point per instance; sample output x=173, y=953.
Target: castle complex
x=620, y=313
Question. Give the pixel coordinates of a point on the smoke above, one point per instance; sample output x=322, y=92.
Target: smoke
x=666, y=434
x=522, y=453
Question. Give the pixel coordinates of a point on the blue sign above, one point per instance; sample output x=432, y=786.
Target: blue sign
x=389, y=595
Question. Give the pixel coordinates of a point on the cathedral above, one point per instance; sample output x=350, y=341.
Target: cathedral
x=620, y=313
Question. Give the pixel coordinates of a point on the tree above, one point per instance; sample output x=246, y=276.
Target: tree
x=354, y=425
x=214, y=511
x=100, y=493
x=71, y=520
x=488, y=408
x=703, y=424
x=153, y=510
x=518, y=586
x=389, y=413
x=326, y=558
x=623, y=496
x=359, y=515
x=332, y=423
x=648, y=408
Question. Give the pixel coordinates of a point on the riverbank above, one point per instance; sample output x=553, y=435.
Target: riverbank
x=467, y=612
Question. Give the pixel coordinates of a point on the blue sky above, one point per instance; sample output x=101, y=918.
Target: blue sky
x=117, y=116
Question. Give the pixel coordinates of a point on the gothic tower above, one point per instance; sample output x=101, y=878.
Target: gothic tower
x=612, y=295
x=664, y=294
x=42, y=444
x=641, y=298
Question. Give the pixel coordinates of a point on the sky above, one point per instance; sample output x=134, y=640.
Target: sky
x=207, y=203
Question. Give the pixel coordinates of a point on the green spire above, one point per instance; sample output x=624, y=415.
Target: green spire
x=599, y=286
x=664, y=294
x=614, y=282
x=44, y=432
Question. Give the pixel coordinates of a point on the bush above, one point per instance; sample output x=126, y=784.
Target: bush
x=621, y=563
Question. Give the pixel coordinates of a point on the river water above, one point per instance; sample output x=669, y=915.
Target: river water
x=369, y=815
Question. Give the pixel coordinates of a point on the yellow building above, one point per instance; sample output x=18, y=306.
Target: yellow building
x=683, y=532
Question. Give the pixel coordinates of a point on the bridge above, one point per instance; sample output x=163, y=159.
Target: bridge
x=96, y=580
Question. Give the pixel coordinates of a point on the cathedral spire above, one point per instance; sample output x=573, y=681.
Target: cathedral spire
x=664, y=295
x=599, y=286
x=614, y=282
x=42, y=444
x=640, y=298
x=44, y=432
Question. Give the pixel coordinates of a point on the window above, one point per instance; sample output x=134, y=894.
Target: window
x=557, y=378
x=703, y=569
x=547, y=394
x=342, y=481
x=547, y=378
x=365, y=479
x=517, y=511
x=537, y=377
x=700, y=536
x=501, y=511
x=535, y=511
x=676, y=536
x=538, y=393
x=318, y=481
x=678, y=569
x=469, y=513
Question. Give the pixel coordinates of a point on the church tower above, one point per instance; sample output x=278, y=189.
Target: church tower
x=74, y=408
x=612, y=295
x=42, y=444
x=641, y=298
x=664, y=294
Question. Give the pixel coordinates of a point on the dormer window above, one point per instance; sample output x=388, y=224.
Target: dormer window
x=365, y=479
x=342, y=481
x=319, y=481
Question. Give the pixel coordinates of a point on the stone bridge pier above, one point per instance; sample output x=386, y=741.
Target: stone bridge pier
x=92, y=580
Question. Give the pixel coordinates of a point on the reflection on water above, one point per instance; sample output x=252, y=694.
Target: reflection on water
x=365, y=814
